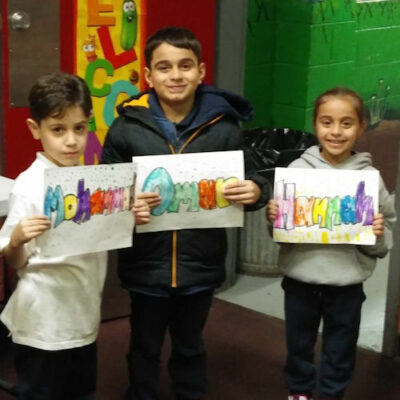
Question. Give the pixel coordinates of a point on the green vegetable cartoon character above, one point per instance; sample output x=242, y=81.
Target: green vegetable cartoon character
x=129, y=25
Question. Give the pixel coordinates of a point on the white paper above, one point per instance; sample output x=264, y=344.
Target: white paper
x=183, y=180
x=325, y=205
x=89, y=208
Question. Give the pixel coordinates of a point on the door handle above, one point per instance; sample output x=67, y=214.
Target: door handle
x=20, y=21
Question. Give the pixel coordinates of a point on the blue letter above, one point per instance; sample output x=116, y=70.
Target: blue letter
x=54, y=201
x=348, y=210
x=160, y=179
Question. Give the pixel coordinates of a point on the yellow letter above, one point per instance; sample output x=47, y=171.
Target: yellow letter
x=70, y=206
x=219, y=191
x=94, y=9
x=319, y=211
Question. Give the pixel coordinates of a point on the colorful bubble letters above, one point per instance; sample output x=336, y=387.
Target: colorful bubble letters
x=89, y=208
x=325, y=206
x=191, y=187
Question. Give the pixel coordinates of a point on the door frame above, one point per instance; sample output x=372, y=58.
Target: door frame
x=2, y=77
x=391, y=334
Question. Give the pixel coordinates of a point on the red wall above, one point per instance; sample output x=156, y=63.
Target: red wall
x=199, y=16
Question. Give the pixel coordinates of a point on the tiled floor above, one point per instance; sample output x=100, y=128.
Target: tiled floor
x=265, y=295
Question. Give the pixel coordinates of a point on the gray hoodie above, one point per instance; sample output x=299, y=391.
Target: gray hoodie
x=337, y=264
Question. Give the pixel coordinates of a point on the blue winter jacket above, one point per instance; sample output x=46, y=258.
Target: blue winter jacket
x=187, y=257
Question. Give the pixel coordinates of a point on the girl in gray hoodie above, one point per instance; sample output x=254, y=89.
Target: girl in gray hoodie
x=325, y=281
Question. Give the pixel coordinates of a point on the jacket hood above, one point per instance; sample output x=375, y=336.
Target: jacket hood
x=210, y=101
x=215, y=101
x=358, y=161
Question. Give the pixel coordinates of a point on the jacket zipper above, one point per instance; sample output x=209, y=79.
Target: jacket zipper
x=174, y=266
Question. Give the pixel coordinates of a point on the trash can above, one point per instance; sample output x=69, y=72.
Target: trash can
x=267, y=149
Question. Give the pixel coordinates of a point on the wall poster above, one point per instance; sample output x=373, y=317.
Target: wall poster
x=110, y=38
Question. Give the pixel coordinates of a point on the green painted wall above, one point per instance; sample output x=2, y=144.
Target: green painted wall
x=297, y=49
x=260, y=49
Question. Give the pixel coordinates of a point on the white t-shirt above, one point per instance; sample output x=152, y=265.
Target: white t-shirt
x=56, y=304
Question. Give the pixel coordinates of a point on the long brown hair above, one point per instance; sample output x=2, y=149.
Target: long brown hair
x=341, y=92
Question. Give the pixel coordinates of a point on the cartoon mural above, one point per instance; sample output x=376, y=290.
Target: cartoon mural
x=128, y=25
x=89, y=47
x=109, y=45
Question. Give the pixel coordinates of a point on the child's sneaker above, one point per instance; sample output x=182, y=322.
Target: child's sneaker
x=299, y=397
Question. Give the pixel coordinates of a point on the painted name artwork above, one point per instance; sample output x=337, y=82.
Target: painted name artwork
x=191, y=187
x=80, y=207
x=89, y=205
x=325, y=206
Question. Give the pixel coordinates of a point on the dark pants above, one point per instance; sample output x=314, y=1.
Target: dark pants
x=56, y=375
x=340, y=310
x=185, y=317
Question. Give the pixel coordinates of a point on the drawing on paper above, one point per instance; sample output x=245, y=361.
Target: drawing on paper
x=325, y=206
x=206, y=194
x=191, y=188
x=89, y=208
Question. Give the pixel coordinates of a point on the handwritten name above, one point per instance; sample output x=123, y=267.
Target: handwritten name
x=80, y=207
x=205, y=194
x=325, y=212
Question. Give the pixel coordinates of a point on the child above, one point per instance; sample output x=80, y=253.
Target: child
x=325, y=281
x=54, y=313
x=171, y=275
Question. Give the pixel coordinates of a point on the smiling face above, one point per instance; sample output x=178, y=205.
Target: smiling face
x=174, y=73
x=337, y=126
x=63, y=138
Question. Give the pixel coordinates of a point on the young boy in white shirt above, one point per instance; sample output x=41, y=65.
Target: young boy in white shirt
x=54, y=313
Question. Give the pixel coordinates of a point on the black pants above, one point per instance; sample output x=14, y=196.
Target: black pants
x=185, y=317
x=56, y=375
x=340, y=310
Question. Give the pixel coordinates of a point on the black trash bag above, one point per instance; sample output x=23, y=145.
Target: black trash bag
x=275, y=147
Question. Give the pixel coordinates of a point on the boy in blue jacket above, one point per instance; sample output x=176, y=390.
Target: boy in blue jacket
x=171, y=275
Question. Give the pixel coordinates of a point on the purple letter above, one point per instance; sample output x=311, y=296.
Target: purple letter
x=364, y=204
x=83, y=213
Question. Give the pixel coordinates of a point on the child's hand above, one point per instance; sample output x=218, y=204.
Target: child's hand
x=141, y=211
x=242, y=192
x=152, y=199
x=378, y=226
x=29, y=228
x=272, y=211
